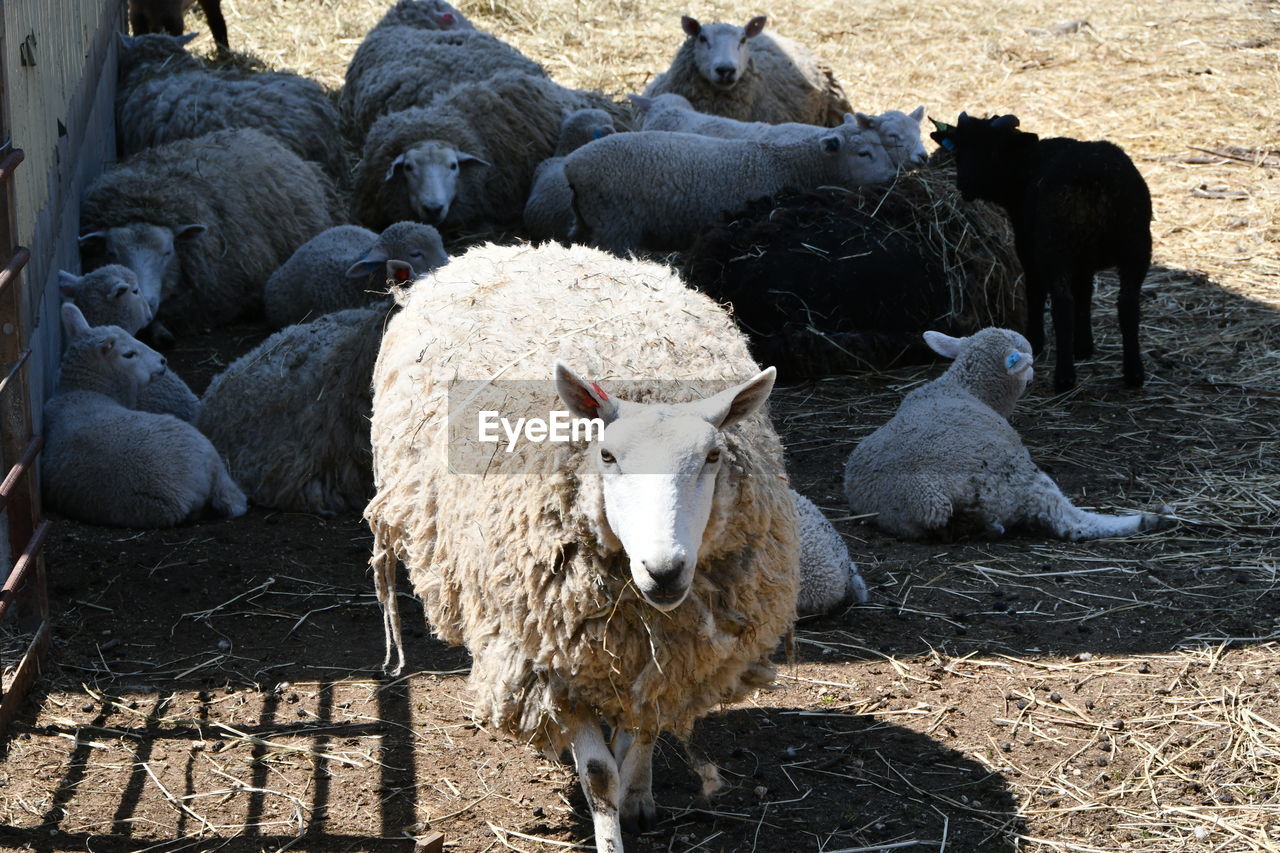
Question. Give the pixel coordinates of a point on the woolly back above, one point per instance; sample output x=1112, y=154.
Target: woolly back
x=151, y=54
x=512, y=544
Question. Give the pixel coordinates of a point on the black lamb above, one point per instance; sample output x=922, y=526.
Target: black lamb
x=1076, y=207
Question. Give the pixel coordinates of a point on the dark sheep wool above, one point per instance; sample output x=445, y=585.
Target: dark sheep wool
x=1076, y=208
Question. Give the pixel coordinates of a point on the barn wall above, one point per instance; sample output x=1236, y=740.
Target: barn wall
x=59, y=73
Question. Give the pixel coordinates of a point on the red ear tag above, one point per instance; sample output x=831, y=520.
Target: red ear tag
x=402, y=275
x=599, y=391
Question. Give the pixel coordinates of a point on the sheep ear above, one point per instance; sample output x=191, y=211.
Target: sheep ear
x=370, y=262
x=585, y=399
x=1017, y=362
x=944, y=345
x=126, y=41
x=1007, y=121
x=641, y=103
x=690, y=25
x=464, y=157
x=91, y=237
x=120, y=288
x=917, y=115
x=189, y=232
x=831, y=144
x=740, y=402
x=444, y=20
x=399, y=271
x=67, y=283
x=602, y=132
x=864, y=121
x=186, y=38
x=391, y=170
x=755, y=26
x=73, y=320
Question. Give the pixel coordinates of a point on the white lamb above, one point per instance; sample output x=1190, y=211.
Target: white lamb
x=655, y=190
x=829, y=578
x=111, y=296
x=949, y=459
x=106, y=463
x=741, y=73
x=548, y=214
x=343, y=268
x=898, y=131
x=640, y=579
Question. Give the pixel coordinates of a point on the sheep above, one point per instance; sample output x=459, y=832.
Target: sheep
x=106, y=463
x=292, y=415
x=153, y=16
x=1076, y=208
x=425, y=15
x=949, y=457
x=548, y=214
x=741, y=73
x=828, y=577
x=142, y=58
x=336, y=269
x=110, y=296
x=898, y=131
x=585, y=591
x=468, y=159
x=203, y=222
x=155, y=108
x=396, y=68
x=654, y=190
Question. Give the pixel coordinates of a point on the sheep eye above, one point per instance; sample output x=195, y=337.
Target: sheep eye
x=453, y=166
x=702, y=39
x=408, y=167
x=130, y=354
x=714, y=456
x=606, y=457
x=864, y=153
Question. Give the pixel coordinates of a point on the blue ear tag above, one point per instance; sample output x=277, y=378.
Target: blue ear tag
x=950, y=145
x=1013, y=359
x=597, y=133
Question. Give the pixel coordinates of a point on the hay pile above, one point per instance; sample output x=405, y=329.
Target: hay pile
x=836, y=280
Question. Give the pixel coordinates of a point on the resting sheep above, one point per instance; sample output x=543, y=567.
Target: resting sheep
x=396, y=68
x=110, y=296
x=106, y=463
x=585, y=589
x=153, y=16
x=949, y=459
x=203, y=222
x=741, y=73
x=1076, y=208
x=155, y=108
x=292, y=415
x=654, y=190
x=468, y=159
x=898, y=132
x=828, y=577
x=548, y=214
x=343, y=268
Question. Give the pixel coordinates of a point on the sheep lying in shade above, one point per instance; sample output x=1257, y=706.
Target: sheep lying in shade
x=548, y=214
x=741, y=73
x=106, y=463
x=110, y=296
x=655, y=190
x=343, y=267
x=585, y=590
x=828, y=576
x=949, y=459
x=292, y=415
x=1076, y=208
x=155, y=108
x=203, y=222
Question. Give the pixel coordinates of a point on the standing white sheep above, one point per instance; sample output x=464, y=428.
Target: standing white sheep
x=343, y=268
x=655, y=190
x=548, y=214
x=106, y=463
x=110, y=296
x=950, y=459
x=741, y=73
x=641, y=579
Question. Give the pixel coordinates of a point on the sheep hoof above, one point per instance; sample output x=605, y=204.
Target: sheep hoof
x=639, y=815
x=1063, y=384
x=1133, y=379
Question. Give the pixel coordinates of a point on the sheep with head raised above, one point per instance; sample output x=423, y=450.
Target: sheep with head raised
x=828, y=576
x=110, y=296
x=153, y=16
x=655, y=190
x=898, y=131
x=1076, y=208
x=203, y=222
x=105, y=462
x=468, y=159
x=949, y=459
x=548, y=214
x=640, y=579
x=343, y=268
x=742, y=73
x=186, y=102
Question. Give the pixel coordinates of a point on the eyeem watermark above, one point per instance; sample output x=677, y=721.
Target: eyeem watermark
x=559, y=427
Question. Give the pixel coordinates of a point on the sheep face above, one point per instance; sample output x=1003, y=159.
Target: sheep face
x=113, y=352
x=720, y=51
x=430, y=173
x=110, y=295
x=150, y=251
x=900, y=134
x=661, y=475
x=414, y=246
x=995, y=356
x=987, y=152
x=862, y=158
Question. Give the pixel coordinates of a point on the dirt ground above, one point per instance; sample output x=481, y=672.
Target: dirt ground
x=217, y=686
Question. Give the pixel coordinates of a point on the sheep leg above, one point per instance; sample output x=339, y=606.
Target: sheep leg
x=1082, y=290
x=226, y=498
x=1128, y=305
x=1037, y=296
x=1050, y=508
x=217, y=24
x=598, y=774
x=635, y=768
x=1062, y=306
x=139, y=22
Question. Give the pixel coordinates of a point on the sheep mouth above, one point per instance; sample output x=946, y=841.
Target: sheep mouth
x=725, y=84
x=664, y=600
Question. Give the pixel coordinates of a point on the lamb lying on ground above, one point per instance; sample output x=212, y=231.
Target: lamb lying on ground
x=548, y=214
x=110, y=296
x=106, y=463
x=828, y=577
x=949, y=458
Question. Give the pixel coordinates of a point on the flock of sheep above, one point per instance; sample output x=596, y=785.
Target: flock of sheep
x=639, y=580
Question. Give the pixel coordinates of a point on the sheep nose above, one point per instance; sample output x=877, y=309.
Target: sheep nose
x=164, y=362
x=726, y=72
x=664, y=573
x=431, y=212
